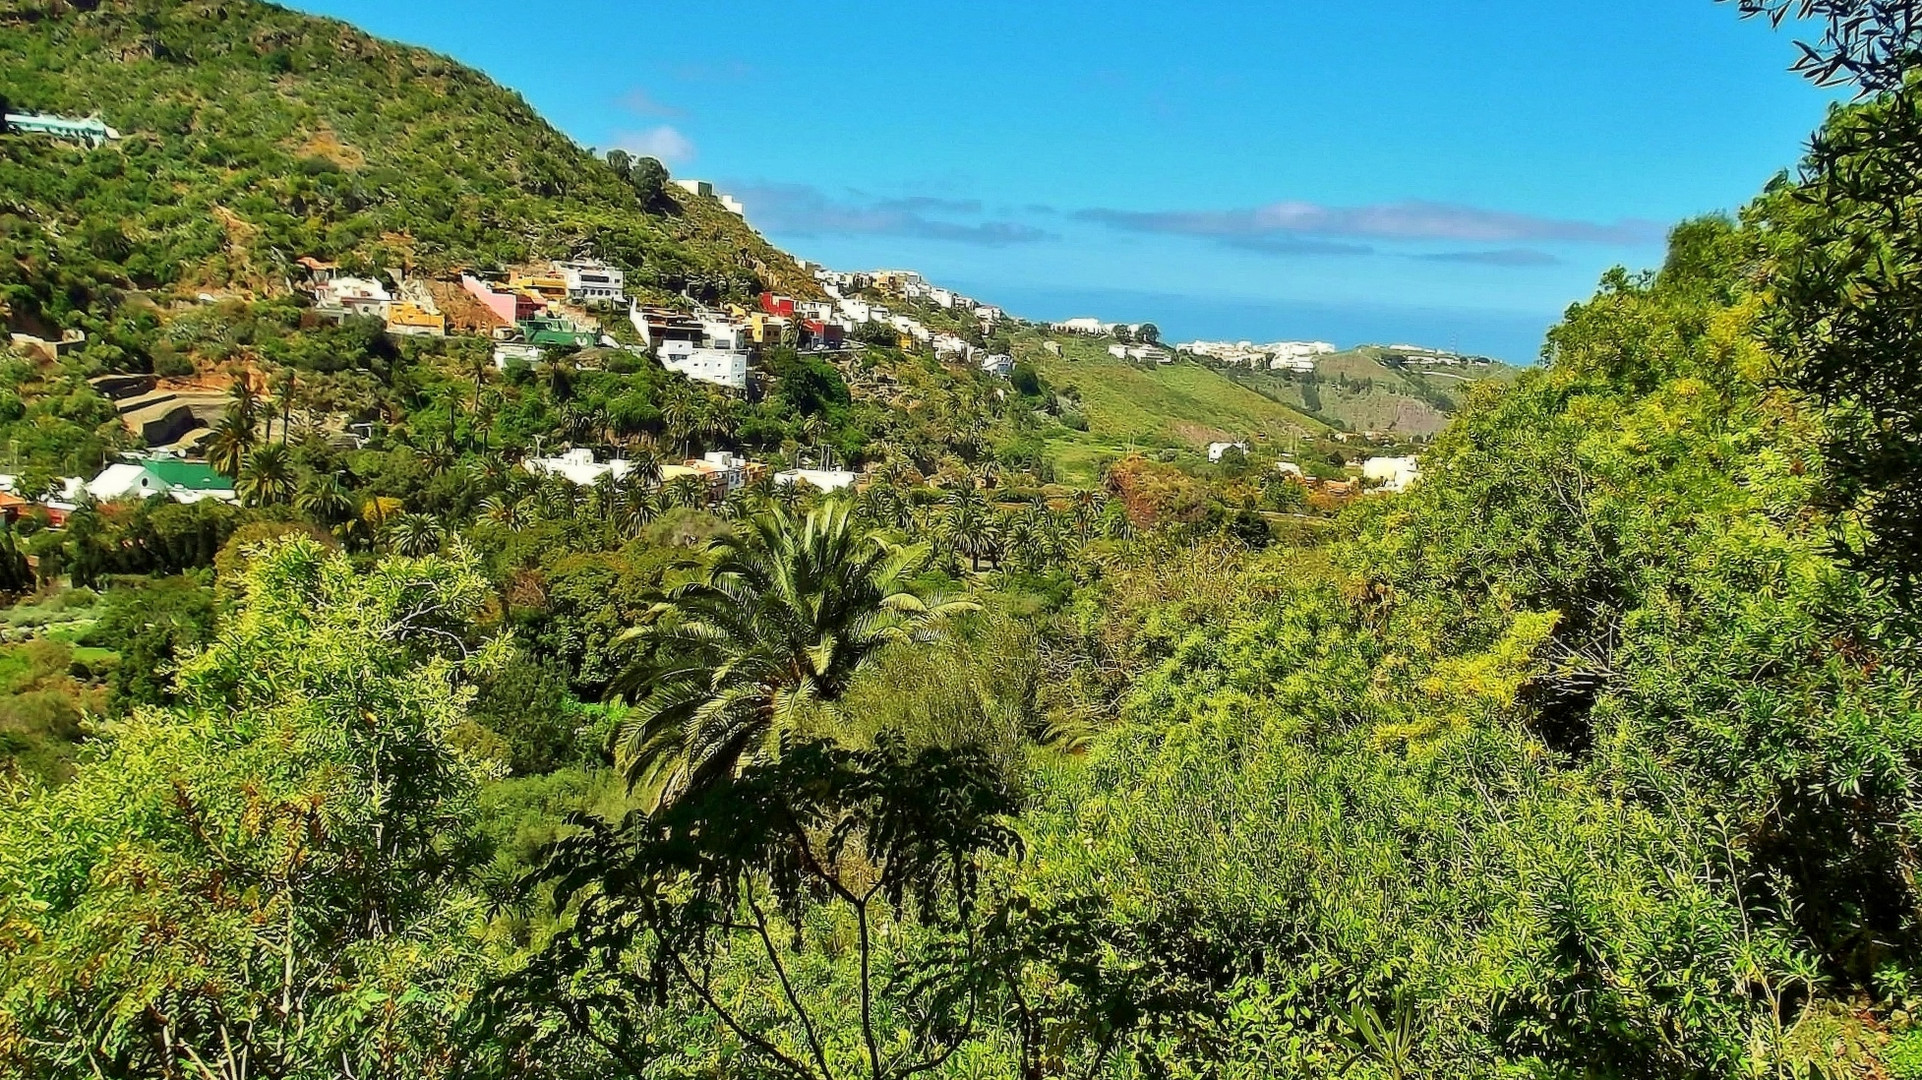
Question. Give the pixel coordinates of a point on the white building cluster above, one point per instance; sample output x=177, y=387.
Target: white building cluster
x=1276, y=356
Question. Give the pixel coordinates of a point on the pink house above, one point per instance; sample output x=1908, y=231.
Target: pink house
x=509, y=308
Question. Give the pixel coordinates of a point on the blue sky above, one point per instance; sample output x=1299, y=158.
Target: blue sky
x=1452, y=173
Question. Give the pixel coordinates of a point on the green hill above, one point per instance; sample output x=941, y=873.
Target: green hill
x=1371, y=389
x=254, y=135
x=1134, y=404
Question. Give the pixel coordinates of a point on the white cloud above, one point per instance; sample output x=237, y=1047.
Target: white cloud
x=663, y=142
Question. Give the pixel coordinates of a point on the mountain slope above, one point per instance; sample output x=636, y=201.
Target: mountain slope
x=1370, y=389
x=254, y=135
x=1133, y=404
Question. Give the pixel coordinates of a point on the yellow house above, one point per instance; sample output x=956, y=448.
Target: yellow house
x=404, y=317
x=766, y=329
x=546, y=286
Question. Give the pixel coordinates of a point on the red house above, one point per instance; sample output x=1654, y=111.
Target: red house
x=777, y=305
x=824, y=333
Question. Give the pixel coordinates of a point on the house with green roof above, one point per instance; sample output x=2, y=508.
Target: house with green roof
x=145, y=477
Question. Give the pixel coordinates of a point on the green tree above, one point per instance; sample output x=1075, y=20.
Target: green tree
x=782, y=615
x=1842, y=320
x=267, y=479
x=232, y=440
x=415, y=535
x=240, y=883
x=324, y=499
x=736, y=898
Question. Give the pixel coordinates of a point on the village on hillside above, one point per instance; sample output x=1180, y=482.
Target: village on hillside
x=531, y=314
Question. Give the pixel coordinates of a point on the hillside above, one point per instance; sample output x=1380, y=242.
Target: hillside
x=1135, y=405
x=254, y=135
x=1368, y=389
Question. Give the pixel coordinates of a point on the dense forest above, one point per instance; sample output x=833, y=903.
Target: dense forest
x=1595, y=753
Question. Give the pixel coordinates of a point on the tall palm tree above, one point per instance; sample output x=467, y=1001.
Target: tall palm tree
x=646, y=462
x=1085, y=510
x=285, y=388
x=604, y=497
x=232, y=440
x=415, y=534
x=786, y=611
x=268, y=477
x=242, y=401
x=679, y=418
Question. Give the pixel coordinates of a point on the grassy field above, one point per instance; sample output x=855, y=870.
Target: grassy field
x=1136, y=406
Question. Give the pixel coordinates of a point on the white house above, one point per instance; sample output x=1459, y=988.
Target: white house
x=1215, y=450
x=720, y=367
x=911, y=327
x=91, y=130
x=951, y=345
x=362, y=295
x=700, y=189
x=1000, y=365
x=1392, y=473
x=511, y=354
x=724, y=334
x=1083, y=326
x=578, y=466
x=859, y=310
x=140, y=478
x=733, y=206
x=941, y=297
x=1119, y=352
x=1289, y=468
x=590, y=281
x=825, y=479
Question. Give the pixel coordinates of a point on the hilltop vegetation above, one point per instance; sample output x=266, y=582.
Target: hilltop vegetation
x=254, y=134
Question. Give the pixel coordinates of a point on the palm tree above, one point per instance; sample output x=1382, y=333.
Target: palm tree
x=415, y=535
x=1085, y=510
x=268, y=477
x=604, y=497
x=436, y=455
x=506, y=510
x=786, y=611
x=678, y=417
x=233, y=438
x=242, y=401
x=968, y=527
x=646, y=462
x=285, y=388
x=691, y=491
x=639, y=507
x=324, y=499
x=808, y=433
x=558, y=498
